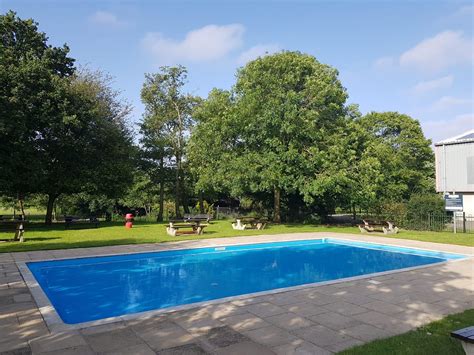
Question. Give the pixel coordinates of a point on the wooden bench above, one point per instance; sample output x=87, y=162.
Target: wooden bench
x=176, y=229
x=197, y=217
x=242, y=223
x=466, y=336
x=370, y=226
x=71, y=222
x=17, y=227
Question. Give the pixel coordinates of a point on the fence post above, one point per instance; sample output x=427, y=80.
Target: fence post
x=464, y=222
x=454, y=222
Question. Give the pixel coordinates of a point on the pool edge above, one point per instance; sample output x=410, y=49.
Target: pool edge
x=55, y=323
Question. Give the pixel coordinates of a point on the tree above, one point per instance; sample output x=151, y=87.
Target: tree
x=30, y=69
x=167, y=121
x=394, y=146
x=275, y=132
x=89, y=148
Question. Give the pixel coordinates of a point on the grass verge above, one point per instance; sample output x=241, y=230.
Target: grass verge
x=40, y=237
x=431, y=339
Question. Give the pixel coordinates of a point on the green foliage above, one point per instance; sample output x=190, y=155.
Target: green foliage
x=274, y=132
x=424, y=204
x=167, y=122
x=30, y=70
x=396, y=159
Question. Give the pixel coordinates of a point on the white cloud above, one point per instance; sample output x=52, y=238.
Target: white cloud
x=105, y=18
x=254, y=52
x=443, y=50
x=384, y=63
x=443, y=129
x=430, y=85
x=447, y=102
x=207, y=43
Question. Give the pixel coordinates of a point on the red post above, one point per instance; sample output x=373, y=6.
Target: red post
x=128, y=220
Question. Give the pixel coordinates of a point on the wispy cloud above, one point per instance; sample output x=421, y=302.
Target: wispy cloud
x=449, y=102
x=257, y=51
x=431, y=85
x=463, y=11
x=443, y=50
x=105, y=18
x=384, y=63
x=203, y=44
x=443, y=129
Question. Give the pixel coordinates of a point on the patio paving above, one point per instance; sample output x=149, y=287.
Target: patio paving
x=312, y=320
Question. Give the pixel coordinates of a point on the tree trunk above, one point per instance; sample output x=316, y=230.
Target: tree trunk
x=159, y=216
x=177, y=188
x=201, y=203
x=49, y=210
x=21, y=202
x=276, y=205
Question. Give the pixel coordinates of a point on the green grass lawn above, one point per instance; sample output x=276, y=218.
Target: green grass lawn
x=431, y=339
x=39, y=237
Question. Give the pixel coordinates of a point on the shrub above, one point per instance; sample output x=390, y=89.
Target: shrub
x=424, y=204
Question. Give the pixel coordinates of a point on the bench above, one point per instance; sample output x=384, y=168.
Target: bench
x=242, y=223
x=71, y=222
x=176, y=229
x=198, y=217
x=18, y=227
x=466, y=336
x=370, y=226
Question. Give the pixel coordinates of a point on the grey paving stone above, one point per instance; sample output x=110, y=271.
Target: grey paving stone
x=289, y=321
x=247, y=321
x=334, y=320
x=222, y=337
x=112, y=340
x=304, y=348
x=141, y=349
x=271, y=336
x=245, y=348
x=335, y=348
x=57, y=341
x=384, y=307
x=345, y=308
x=321, y=336
x=165, y=335
x=305, y=309
x=265, y=309
x=365, y=332
x=76, y=350
x=188, y=349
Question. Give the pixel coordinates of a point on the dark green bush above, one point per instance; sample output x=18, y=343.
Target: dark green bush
x=424, y=204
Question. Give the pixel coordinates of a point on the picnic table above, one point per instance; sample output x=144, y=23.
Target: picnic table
x=178, y=227
x=466, y=336
x=242, y=223
x=370, y=226
x=16, y=226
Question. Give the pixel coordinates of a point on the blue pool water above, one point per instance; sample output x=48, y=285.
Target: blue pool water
x=88, y=289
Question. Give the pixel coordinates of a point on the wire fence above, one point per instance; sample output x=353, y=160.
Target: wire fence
x=458, y=222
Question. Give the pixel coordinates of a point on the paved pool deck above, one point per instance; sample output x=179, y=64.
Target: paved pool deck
x=318, y=319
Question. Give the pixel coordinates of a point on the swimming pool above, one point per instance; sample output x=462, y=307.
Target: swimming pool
x=93, y=288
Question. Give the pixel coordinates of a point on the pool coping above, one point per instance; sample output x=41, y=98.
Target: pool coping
x=56, y=324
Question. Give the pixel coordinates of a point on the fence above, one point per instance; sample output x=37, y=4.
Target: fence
x=458, y=222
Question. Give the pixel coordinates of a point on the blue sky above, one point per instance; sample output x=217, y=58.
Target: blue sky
x=415, y=57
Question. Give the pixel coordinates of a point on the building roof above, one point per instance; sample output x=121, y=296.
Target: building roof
x=466, y=137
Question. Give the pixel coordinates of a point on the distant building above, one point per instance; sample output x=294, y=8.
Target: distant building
x=455, y=171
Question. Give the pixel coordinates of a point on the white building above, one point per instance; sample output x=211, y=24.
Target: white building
x=455, y=170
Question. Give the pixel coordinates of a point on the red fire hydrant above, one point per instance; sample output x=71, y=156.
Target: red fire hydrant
x=128, y=220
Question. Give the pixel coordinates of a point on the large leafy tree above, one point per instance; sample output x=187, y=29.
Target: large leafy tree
x=396, y=160
x=275, y=132
x=166, y=124
x=89, y=147
x=60, y=132
x=30, y=69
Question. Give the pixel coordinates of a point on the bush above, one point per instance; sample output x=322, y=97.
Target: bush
x=424, y=204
